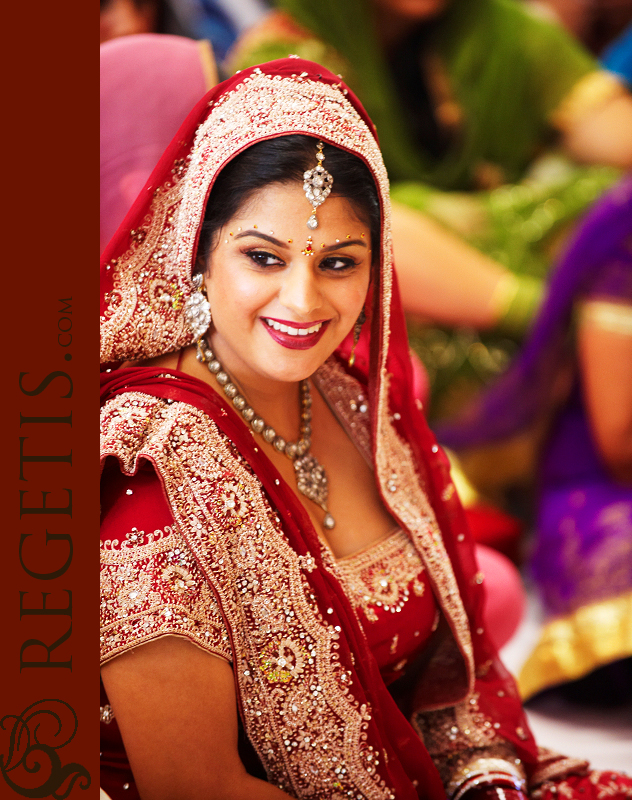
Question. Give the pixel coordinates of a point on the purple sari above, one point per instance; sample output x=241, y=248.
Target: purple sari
x=581, y=562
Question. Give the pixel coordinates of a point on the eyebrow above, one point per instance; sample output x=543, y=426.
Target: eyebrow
x=278, y=243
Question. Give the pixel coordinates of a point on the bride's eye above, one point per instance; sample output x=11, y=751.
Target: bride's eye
x=337, y=263
x=263, y=259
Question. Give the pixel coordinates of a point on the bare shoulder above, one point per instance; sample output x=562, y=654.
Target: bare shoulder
x=176, y=708
x=157, y=693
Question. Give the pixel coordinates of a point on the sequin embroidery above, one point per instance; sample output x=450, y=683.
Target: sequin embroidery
x=383, y=576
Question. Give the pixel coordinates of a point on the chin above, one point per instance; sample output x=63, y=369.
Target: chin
x=295, y=372
x=296, y=365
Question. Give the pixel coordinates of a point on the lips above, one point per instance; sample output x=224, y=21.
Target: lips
x=295, y=335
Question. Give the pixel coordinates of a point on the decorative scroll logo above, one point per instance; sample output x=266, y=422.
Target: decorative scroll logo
x=32, y=767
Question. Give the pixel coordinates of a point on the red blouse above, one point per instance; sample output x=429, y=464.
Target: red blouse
x=159, y=591
x=386, y=583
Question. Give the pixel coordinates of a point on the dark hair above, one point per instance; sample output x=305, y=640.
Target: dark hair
x=283, y=160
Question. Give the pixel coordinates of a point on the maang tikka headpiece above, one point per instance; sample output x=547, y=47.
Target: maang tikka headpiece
x=317, y=185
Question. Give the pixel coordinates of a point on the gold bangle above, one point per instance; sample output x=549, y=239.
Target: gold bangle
x=517, y=298
x=485, y=770
x=611, y=317
x=590, y=92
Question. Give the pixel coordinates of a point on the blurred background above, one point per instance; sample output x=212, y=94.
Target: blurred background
x=506, y=128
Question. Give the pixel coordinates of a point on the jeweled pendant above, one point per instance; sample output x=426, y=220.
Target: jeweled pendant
x=311, y=479
x=312, y=222
x=310, y=475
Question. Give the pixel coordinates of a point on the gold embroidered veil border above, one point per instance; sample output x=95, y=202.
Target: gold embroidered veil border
x=147, y=270
x=146, y=275
x=147, y=285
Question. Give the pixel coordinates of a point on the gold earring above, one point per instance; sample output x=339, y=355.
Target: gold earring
x=357, y=329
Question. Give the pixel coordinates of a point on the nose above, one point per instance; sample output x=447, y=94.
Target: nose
x=299, y=291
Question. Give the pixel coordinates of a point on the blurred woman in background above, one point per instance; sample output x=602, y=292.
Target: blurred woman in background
x=466, y=96
x=569, y=396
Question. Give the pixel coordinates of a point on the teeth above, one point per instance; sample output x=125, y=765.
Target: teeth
x=278, y=326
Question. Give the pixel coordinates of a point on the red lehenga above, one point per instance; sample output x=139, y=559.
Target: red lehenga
x=203, y=538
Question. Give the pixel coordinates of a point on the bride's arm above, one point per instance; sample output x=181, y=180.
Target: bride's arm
x=177, y=712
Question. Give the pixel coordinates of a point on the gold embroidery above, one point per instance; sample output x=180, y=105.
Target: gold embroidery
x=349, y=404
x=383, y=576
x=302, y=710
x=551, y=767
x=459, y=727
x=404, y=496
x=151, y=587
x=607, y=787
x=151, y=281
x=282, y=662
x=146, y=299
x=459, y=736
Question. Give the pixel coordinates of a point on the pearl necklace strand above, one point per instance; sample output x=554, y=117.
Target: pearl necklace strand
x=311, y=478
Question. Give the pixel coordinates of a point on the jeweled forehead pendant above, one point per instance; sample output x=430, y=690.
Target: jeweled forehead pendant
x=317, y=185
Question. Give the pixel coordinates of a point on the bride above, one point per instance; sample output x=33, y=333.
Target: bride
x=290, y=602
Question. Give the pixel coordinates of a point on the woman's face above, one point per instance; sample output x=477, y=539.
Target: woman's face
x=284, y=297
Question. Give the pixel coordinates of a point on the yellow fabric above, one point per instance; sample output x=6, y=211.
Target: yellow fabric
x=468, y=494
x=572, y=646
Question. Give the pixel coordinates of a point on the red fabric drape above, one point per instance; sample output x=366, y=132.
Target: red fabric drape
x=383, y=367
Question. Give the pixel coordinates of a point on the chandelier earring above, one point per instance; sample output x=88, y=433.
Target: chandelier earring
x=357, y=330
x=197, y=309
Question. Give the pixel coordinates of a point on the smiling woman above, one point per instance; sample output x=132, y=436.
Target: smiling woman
x=283, y=301
x=281, y=540
x=273, y=290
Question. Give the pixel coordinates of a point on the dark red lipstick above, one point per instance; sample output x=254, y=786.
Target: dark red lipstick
x=294, y=341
